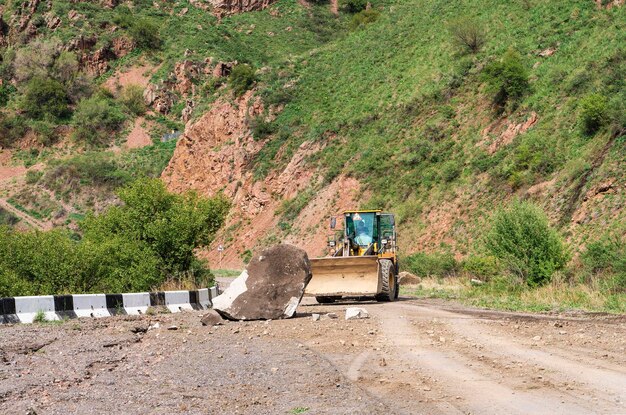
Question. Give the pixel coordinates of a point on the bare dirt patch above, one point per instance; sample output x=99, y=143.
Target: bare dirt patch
x=136, y=75
x=413, y=356
x=138, y=137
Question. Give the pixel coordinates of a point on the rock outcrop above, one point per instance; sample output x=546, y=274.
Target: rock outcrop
x=222, y=8
x=270, y=288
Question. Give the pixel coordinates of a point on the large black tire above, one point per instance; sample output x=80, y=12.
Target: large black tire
x=325, y=300
x=387, y=276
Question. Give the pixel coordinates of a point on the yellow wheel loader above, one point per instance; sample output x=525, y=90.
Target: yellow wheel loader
x=363, y=260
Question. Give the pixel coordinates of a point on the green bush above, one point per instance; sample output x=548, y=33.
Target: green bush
x=364, y=18
x=44, y=98
x=441, y=264
x=450, y=171
x=149, y=239
x=96, y=119
x=467, y=34
x=521, y=237
x=33, y=176
x=145, y=33
x=484, y=267
x=132, y=99
x=507, y=79
x=593, y=113
x=353, y=6
x=607, y=254
x=261, y=128
x=170, y=225
x=99, y=169
x=241, y=78
x=12, y=128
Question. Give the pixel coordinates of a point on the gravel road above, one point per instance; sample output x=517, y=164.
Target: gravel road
x=410, y=357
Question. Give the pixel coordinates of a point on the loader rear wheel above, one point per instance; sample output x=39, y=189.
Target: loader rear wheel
x=387, y=276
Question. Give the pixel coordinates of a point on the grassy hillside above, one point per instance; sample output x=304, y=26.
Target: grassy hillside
x=440, y=133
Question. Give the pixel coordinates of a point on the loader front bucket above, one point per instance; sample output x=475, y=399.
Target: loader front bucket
x=344, y=276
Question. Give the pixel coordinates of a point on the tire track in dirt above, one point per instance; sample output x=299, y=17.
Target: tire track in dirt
x=480, y=368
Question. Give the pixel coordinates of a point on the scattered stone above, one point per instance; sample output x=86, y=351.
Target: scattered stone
x=173, y=328
x=474, y=281
x=382, y=362
x=442, y=339
x=315, y=317
x=332, y=315
x=212, y=318
x=537, y=338
x=154, y=326
x=406, y=278
x=426, y=388
x=355, y=313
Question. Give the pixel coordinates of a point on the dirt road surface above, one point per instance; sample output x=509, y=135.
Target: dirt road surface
x=411, y=357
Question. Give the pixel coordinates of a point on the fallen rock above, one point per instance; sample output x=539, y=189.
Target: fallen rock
x=315, y=317
x=212, y=318
x=355, y=313
x=332, y=315
x=270, y=288
x=406, y=278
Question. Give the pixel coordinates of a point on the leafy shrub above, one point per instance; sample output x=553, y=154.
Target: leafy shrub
x=481, y=266
x=241, y=78
x=440, y=264
x=507, y=79
x=6, y=91
x=607, y=254
x=450, y=171
x=521, y=237
x=132, y=99
x=33, y=176
x=261, y=128
x=95, y=120
x=43, y=98
x=145, y=33
x=353, y=6
x=44, y=130
x=151, y=238
x=12, y=128
x=593, y=113
x=364, y=18
x=467, y=33
x=170, y=225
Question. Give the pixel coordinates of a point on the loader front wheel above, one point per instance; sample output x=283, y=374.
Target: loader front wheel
x=387, y=276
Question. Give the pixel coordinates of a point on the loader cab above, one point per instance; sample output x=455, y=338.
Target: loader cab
x=365, y=232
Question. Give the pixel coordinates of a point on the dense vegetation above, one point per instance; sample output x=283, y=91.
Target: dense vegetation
x=148, y=240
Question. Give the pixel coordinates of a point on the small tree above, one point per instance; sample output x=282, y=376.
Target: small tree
x=44, y=97
x=593, y=113
x=354, y=6
x=523, y=240
x=132, y=98
x=95, y=119
x=172, y=226
x=241, y=78
x=507, y=79
x=146, y=34
x=467, y=33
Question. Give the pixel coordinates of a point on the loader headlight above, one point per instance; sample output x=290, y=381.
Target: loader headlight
x=384, y=241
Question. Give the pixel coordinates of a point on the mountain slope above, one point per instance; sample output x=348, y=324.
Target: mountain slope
x=396, y=108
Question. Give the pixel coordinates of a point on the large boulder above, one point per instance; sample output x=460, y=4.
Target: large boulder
x=270, y=288
x=406, y=278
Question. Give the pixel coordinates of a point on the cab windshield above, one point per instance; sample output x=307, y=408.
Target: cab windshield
x=361, y=228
